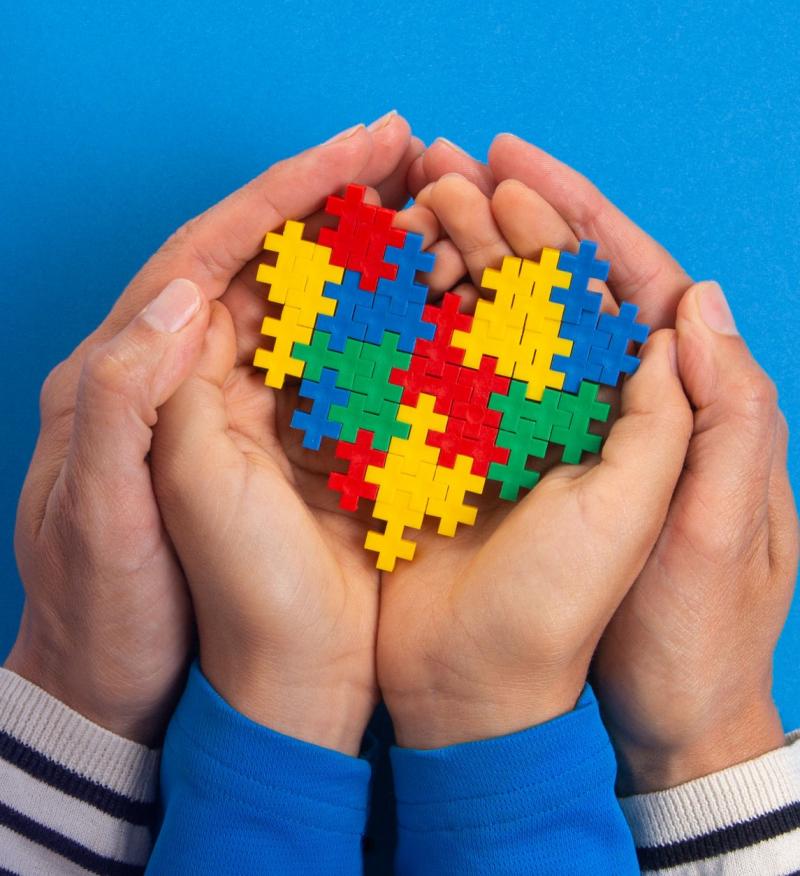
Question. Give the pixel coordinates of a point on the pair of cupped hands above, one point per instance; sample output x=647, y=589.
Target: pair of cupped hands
x=167, y=489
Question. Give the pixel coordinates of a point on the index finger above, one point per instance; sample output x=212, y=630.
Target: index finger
x=214, y=246
x=642, y=271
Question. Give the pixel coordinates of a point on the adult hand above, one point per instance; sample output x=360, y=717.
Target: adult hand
x=493, y=631
x=684, y=671
x=107, y=622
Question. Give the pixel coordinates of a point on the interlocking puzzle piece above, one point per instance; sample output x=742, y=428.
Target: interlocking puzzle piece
x=471, y=394
x=451, y=509
x=584, y=409
x=296, y=280
x=352, y=484
x=318, y=355
x=583, y=267
x=342, y=326
x=520, y=327
x=382, y=423
x=406, y=482
x=622, y=330
x=382, y=360
x=585, y=335
x=514, y=474
x=360, y=239
x=479, y=445
x=537, y=350
x=434, y=366
x=390, y=545
x=543, y=415
x=300, y=273
x=279, y=362
x=289, y=246
x=316, y=423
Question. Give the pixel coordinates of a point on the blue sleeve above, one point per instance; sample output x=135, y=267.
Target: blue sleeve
x=240, y=798
x=540, y=801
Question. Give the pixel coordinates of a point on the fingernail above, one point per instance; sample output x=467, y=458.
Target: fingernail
x=715, y=310
x=451, y=145
x=174, y=307
x=673, y=355
x=344, y=135
x=382, y=122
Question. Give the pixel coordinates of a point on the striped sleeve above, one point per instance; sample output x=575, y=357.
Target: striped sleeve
x=74, y=798
x=745, y=819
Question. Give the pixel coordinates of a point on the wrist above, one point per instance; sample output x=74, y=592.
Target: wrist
x=320, y=708
x=435, y=719
x=57, y=671
x=656, y=766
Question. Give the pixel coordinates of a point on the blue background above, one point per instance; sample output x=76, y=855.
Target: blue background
x=118, y=124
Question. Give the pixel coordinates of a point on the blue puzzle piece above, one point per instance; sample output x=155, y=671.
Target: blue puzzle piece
x=579, y=366
x=585, y=335
x=342, y=325
x=398, y=304
x=316, y=423
x=613, y=357
x=584, y=267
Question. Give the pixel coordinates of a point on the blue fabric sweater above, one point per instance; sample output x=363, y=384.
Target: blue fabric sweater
x=240, y=798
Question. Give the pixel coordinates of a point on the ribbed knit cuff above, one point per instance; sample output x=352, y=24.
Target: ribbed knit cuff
x=747, y=816
x=768, y=783
x=36, y=719
x=212, y=743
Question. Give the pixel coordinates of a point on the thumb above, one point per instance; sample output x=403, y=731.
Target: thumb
x=124, y=381
x=645, y=450
x=191, y=444
x=735, y=402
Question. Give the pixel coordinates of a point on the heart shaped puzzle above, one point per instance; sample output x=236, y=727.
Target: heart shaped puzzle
x=425, y=403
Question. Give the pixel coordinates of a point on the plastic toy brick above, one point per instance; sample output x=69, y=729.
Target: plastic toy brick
x=582, y=267
x=425, y=404
x=352, y=484
x=584, y=409
x=316, y=423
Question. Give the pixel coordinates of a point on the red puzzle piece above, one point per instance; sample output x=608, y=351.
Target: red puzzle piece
x=351, y=484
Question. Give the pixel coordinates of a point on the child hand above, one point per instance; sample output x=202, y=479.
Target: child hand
x=493, y=631
x=684, y=670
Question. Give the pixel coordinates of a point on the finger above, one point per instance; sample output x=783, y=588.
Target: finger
x=416, y=175
x=212, y=248
x=644, y=453
x=735, y=403
x=782, y=511
x=192, y=431
x=419, y=220
x=642, y=271
x=443, y=157
x=529, y=224
x=393, y=190
x=465, y=214
x=123, y=382
x=448, y=269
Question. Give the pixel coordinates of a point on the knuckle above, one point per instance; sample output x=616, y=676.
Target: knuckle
x=105, y=369
x=52, y=390
x=759, y=397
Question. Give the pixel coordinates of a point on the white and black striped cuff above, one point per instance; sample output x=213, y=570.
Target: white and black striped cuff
x=745, y=819
x=74, y=797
